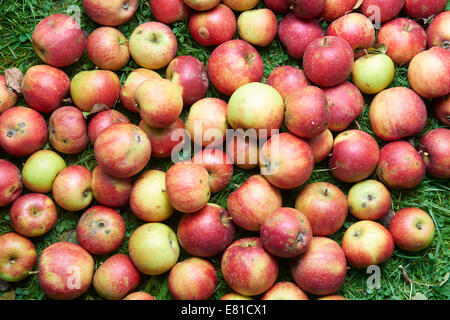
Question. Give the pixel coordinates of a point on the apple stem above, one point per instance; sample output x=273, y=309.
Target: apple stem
x=358, y=125
x=407, y=278
x=33, y=272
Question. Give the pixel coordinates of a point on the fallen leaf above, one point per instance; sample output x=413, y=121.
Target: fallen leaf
x=14, y=79
x=10, y=295
x=419, y=296
x=69, y=236
x=378, y=48
x=98, y=107
x=358, y=4
x=4, y=285
x=386, y=219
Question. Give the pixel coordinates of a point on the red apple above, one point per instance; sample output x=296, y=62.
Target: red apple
x=169, y=11
x=335, y=9
x=435, y=149
x=17, y=257
x=307, y=9
x=8, y=97
x=134, y=80
x=110, y=191
x=103, y=120
x=381, y=10
x=110, y=13
x=285, y=290
x=442, y=110
x=279, y=6
x=438, y=31
x=423, y=8
x=10, y=183
x=163, y=140
x=258, y=27
x=218, y=165
x=244, y=151
x=241, y=5
x=140, y=295
x=321, y=145
x=201, y=5
x=287, y=79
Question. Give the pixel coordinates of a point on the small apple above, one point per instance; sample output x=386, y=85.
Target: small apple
x=17, y=257
x=435, y=149
x=201, y=5
x=372, y=73
x=285, y=290
x=110, y=13
x=307, y=9
x=103, y=120
x=8, y=97
x=335, y=9
x=423, y=8
x=243, y=151
x=10, y=183
x=321, y=145
x=110, y=191
x=218, y=165
x=241, y=5
x=169, y=11
x=381, y=10
x=369, y=200
x=134, y=80
x=258, y=27
x=438, y=31
x=287, y=79
x=442, y=110
x=235, y=296
x=140, y=295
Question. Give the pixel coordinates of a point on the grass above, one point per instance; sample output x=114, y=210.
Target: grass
x=428, y=270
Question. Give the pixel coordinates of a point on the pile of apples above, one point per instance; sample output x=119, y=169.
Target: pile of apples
x=316, y=104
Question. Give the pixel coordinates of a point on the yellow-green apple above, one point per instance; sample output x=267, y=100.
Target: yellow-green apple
x=372, y=73
x=193, y=279
x=345, y=104
x=41, y=169
x=169, y=11
x=287, y=79
x=332, y=297
x=153, y=45
x=65, y=271
x=307, y=9
x=163, y=140
x=441, y=110
x=160, y=102
x=58, y=40
x=286, y=233
x=247, y=268
x=140, y=295
x=252, y=202
x=207, y=122
x=110, y=13
x=44, y=87
x=381, y=10
x=67, y=130
x=134, y=80
x=279, y=6
x=369, y=200
x=107, y=48
x=213, y=27
x=33, y=215
x=153, y=248
x=325, y=207
x=207, y=232
x=321, y=145
x=103, y=120
x=400, y=165
x=295, y=34
x=100, y=230
x=235, y=296
x=110, y=191
x=23, y=131
x=122, y=150
x=201, y=5
x=412, y=229
x=256, y=106
x=435, y=149
x=17, y=257
x=285, y=290
x=258, y=27
x=241, y=5
x=89, y=88
x=355, y=156
x=328, y=61
x=286, y=161
x=190, y=74
x=423, y=8
x=322, y=268
x=148, y=198
x=335, y=9
x=234, y=64
x=8, y=97
x=243, y=151
x=428, y=73
x=218, y=165
x=187, y=186
x=72, y=188
x=306, y=113
x=397, y=113
x=367, y=243
x=10, y=183
x=438, y=31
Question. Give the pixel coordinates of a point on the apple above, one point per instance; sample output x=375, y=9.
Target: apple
x=65, y=271
x=321, y=269
x=134, y=80
x=234, y=64
x=307, y=9
x=160, y=102
x=148, y=198
x=412, y=229
x=169, y=11
x=442, y=110
x=241, y=5
x=258, y=27
x=103, y=120
x=369, y=200
x=207, y=232
x=33, y=215
x=10, y=183
x=153, y=248
x=367, y=243
x=58, y=40
x=423, y=8
x=67, y=130
x=306, y=113
x=286, y=161
x=140, y=295
x=436, y=83
x=328, y=61
x=122, y=150
x=247, y=268
x=287, y=79
x=295, y=34
x=110, y=13
x=438, y=30
x=325, y=207
x=213, y=27
x=372, y=73
x=381, y=11
x=41, y=169
x=256, y=106
x=153, y=45
x=201, y=5
x=279, y=6
x=435, y=149
x=243, y=151
x=187, y=186
x=285, y=290
x=193, y=279
x=207, y=122
x=218, y=165
x=332, y=297
x=335, y=9
x=17, y=257
x=44, y=87
x=286, y=233
x=110, y=191
x=8, y=97
x=321, y=145
x=89, y=88
x=190, y=74
x=235, y=296
x=163, y=140
x=396, y=113
x=252, y=202
x=355, y=156
x=107, y=48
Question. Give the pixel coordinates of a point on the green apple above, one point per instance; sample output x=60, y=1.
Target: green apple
x=373, y=72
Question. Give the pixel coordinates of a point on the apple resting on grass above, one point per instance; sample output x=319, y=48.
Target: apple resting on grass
x=258, y=27
x=335, y=9
x=10, y=183
x=243, y=151
x=218, y=165
x=169, y=11
x=163, y=140
x=103, y=120
x=110, y=191
x=17, y=257
x=442, y=110
x=241, y=5
x=307, y=9
x=369, y=200
x=110, y=13
x=388, y=9
x=438, y=31
x=201, y=5
x=285, y=290
x=287, y=79
x=8, y=97
x=435, y=149
x=321, y=145
x=134, y=80
x=372, y=73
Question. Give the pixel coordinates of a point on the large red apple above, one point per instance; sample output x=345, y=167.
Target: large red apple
x=380, y=11
x=169, y=11
x=8, y=97
x=17, y=257
x=134, y=80
x=435, y=149
x=279, y=6
x=218, y=165
x=335, y=9
x=285, y=290
x=423, y=8
x=307, y=9
x=321, y=145
x=438, y=31
x=287, y=79
x=110, y=13
x=103, y=120
x=110, y=191
x=10, y=183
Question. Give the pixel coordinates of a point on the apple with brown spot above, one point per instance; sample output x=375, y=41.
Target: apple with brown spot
x=435, y=149
x=8, y=97
x=110, y=13
x=438, y=31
